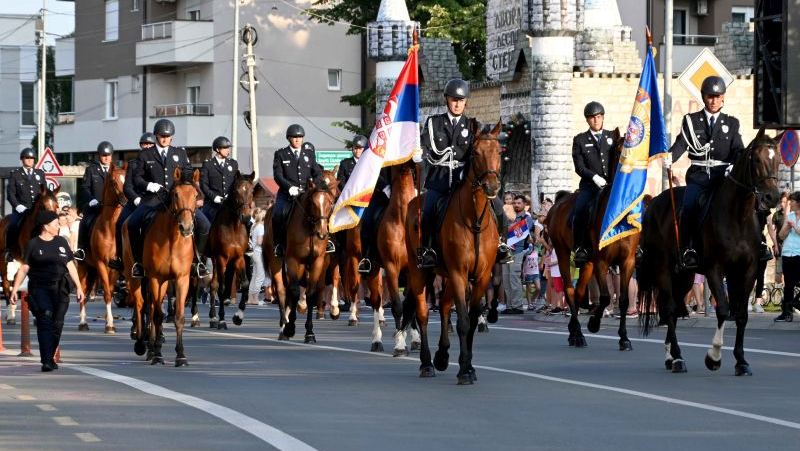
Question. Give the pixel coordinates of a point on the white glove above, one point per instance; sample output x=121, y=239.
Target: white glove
x=416, y=157
x=294, y=191
x=387, y=190
x=20, y=208
x=153, y=187
x=599, y=181
x=668, y=161
x=93, y=202
x=728, y=170
x=136, y=201
x=218, y=200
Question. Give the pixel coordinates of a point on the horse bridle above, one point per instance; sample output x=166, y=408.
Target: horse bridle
x=751, y=186
x=479, y=177
x=313, y=219
x=237, y=208
x=176, y=214
x=120, y=195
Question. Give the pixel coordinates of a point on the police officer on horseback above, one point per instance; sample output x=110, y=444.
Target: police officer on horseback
x=713, y=141
x=217, y=175
x=24, y=184
x=132, y=194
x=591, y=152
x=292, y=166
x=153, y=176
x=347, y=165
x=94, y=177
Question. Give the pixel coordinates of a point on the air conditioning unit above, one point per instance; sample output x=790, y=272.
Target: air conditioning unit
x=702, y=8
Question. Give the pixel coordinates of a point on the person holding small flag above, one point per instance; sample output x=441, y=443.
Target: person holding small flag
x=517, y=240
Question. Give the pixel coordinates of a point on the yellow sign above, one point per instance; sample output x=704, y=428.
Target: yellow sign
x=704, y=65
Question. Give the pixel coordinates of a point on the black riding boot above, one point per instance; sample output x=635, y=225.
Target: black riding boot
x=11, y=239
x=278, y=237
x=689, y=260
x=137, y=271
x=426, y=255
x=578, y=237
x=198, y=267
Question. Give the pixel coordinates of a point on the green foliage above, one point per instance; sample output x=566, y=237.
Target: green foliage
x=58, y=96
x=364, y=99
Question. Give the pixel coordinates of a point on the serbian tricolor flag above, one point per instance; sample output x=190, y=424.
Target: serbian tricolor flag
x=517, y=232
x=393, y=140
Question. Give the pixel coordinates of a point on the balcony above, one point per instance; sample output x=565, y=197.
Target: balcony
x=176, y=43
x=183, y=109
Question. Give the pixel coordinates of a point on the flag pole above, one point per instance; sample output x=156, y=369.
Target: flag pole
x=420, y=196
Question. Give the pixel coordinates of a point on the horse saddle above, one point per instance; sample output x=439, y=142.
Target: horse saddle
x=704, y=202
x=149, y=217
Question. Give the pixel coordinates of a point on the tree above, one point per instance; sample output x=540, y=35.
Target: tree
x=58, y=96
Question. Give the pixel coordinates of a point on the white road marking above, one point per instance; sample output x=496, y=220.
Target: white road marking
x=46, y=407
x=65, y=421
x=6, y=387
x=26, y=398
x=645, y=395
x=87, y=437
x=261, y=431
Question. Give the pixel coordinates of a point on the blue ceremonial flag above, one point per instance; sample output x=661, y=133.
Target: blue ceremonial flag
x=645, y=140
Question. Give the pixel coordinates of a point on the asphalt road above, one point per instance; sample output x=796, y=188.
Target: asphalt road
x=245, y=390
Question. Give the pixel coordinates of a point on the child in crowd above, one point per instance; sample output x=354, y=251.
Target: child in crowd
x=530, y=272
x=555, y=282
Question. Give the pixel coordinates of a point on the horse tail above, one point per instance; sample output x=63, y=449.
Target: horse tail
x=647, y=298
x=409, y=312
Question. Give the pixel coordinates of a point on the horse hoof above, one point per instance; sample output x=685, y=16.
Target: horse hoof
x=288, y=330
x=302, y=309
x=594, y=324
x=282, y=337
x=492, y=316
x=743, y=370
x=427, y=371
x=465, y=379
x=222, y=325
x=237, y=320
x=483, y=328
x=376, y=347
x=83, y=327
x=352, y=322
x=678, y=366
x=580, y=342
x=382, y=323
x=668, y=365
x=111, y=330
x=157, y=360
x=336, y=316
x=213, y=323
x=195, y=323
x=416, y=346
x=11, y=322
x=139, y=348
x=441, y=360
x=400, y=352
x=320, y=314
x=181, y=362
x=310, y=339
x=625, y=345
x=712, y=364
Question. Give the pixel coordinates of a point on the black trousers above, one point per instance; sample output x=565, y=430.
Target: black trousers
x=49, y=308
x=791, y=277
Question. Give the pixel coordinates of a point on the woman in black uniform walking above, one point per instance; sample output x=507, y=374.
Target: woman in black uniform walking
x=47, y=262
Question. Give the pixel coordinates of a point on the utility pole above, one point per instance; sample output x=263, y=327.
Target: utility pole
x=42, y=84
x=250, y=38
x=235, y=97
x=668, y=32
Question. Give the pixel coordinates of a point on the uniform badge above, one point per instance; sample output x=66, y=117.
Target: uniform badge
x=609, y=141
x=38, y=177
x=464, y=132
x=175, y=158
x=305, y=158
x=725, y=129
x=61, y=249
x=230, y=168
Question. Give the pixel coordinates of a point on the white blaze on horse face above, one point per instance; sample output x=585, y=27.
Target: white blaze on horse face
x=122, y=178
x=771, y=153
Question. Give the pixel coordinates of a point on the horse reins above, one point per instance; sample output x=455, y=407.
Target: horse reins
x=751, y=186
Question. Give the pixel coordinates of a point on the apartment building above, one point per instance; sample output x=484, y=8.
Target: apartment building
x=137, y=61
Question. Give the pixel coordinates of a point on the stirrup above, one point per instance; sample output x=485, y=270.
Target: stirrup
x=426, y=258
x=330, y=247
x=365, y=266
x=639, y=255
x=79, y=254
x=581, y=257
x=200, y=269
x=689, y=260
x=137, y=271
x=278, y=251
x=116, y=264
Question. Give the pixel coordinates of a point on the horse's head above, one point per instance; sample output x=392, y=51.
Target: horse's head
x=183, y=200
x=485, y=161
x=318, y=203
x=113, y=188
x=46, y=201
x=757, y=170
x=329, y=178
x=240, y=196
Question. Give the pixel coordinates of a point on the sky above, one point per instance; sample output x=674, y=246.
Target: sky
x=60, y=14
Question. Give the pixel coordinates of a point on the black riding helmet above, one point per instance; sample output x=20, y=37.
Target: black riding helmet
x=105, y=148
x=593, y=109
x=295, y=131
x=457, y=89
x=221, y=142
x=164, y=127
x=147, y=138
x=360, y=141
x=27, y=153
x=713, y=86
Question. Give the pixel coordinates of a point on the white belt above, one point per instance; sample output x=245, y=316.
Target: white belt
x=709, y=163
x=447, y=164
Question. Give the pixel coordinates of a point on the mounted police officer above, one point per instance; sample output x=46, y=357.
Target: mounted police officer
x=153, y=176
x=216, y=176
x=24, y=185
x=713, y=141
x=447, y=147
x=591, y=151
x=94, y=177
x=347, y=165
x=292, y=166
x=132, y=194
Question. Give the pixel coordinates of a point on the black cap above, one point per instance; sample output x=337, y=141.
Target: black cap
x=295, y=131
x=46, y=217
x=457, y=88
x=713, y=86
x=164, y=127
x=105, y=148
x=360, y=141
x=147, y=138
x=593, y=109
x=27, y=153
x=221, y=142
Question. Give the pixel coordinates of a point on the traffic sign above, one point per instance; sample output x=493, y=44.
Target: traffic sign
x=52, y=183
x=704, y=65
x=49, y=164
x=789, y=148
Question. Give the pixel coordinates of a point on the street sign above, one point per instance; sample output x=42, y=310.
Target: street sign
x=49, y=164
x=52, y=183
x=330, y=158
x=704, y=65
x=789, y=148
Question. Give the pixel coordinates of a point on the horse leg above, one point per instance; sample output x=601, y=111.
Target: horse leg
x=335, y=313
x=238, y=317
x=138, y=318
x=442, y=357
x=315, y=287
x=294, y=272
x=674, y=360
x=416, y=296
x=103, y=276
x=626, y=272
x=596, y=317
x=392, y=281
x=474, y=315
x=194, y=287
x=576, y=337
x=85, y=276
x=456, y=288
x=373, y=282
x=213, y=290
x=157, y=292
x=181, y=290
x=713, y=358
x=224, y=294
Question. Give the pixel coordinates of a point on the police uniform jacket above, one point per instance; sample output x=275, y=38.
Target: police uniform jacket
x=592, y=156
x=346, y=167
x=92, y=185
x=22, y=189
x=290, y=171
x=725, y=144
x=131, y=192
x=151, y=169
x=216, y=179
x=445, y=135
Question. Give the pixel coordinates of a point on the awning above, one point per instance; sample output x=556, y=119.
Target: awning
x=269, y=185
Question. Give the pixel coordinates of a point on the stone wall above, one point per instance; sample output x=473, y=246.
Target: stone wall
x=734, y=47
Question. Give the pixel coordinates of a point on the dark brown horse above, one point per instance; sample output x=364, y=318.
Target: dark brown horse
x=468, y=238
x=621, y=252
x=391, y=256
x=730, y=239
x=227, y=243
x=102, y=246
x=305, y=261
x=167, y=255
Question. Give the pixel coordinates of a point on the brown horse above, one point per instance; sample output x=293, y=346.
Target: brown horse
x=392, y=257
x=167, y=255
x=227, y=243
x=730, y=239
x=305, y=260
x=468, y=238
x=621, y=252
x=46, y=200
x=102, y=246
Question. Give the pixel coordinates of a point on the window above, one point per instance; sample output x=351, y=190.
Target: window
x=112, y=20
x=134, y=6
x=26, y=116
x=111, y=99
x=679, y=27
x=193, y=94
x=742, y=14
x=135, y=83
x=334, y=79
x=194, y=14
